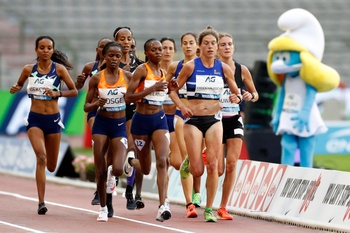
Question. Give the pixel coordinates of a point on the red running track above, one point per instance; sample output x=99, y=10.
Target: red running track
x=70, y=210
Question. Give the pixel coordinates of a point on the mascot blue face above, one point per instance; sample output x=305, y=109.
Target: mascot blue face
x=286, y=62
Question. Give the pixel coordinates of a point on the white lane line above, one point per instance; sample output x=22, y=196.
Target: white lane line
x=91, y=211
x=27, y=229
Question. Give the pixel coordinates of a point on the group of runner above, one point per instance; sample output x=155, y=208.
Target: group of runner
x=187, y=111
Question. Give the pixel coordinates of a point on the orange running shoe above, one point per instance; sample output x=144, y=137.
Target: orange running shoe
x=223, y=214
x=191, y=211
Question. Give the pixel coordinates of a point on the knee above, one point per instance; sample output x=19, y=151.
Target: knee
x=196, y=171
x=231, y=166
x=145, y=171
x=162, y=162
x=41, y=159
x=176, y=166
x=221, y=171
x=117, y=172
x=212, y=167
x=51, y=168
x=175, y=163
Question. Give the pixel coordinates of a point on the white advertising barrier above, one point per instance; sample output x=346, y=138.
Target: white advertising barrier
x=304, y=196
x=321, y=197
x=17, y=156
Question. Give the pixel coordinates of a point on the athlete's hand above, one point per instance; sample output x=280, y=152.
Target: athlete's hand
x=235, y=99
x=50, y=93
x=173, y=85
x=80, y=81
x=101, y=102
x=15, y=88
x=160, y=86
x=186, y=112
x=247, y=96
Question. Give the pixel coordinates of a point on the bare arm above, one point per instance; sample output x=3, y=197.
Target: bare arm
x=65, y=76
x=230, y=79
x=185, y=73
x=251, y=94
x=128, y=77
x=171, y=70
x=22, y=79
x=90, y=96
x=79, y=83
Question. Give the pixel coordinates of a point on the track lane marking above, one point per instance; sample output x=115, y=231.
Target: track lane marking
x=21, y=227
x=91, y=211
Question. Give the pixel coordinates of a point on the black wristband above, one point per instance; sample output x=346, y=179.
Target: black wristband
x=253, y=96
x=240, y=99
x=60, y=94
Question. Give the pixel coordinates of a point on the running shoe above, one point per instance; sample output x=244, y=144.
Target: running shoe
x=163, y=213
x=110, y=180
x=130, y=202
x=139, y=202
x=42, y=209
x=102, y=216
x=96, y=199
x=109, y=204
x=128, y=169
x=196, y=199
x=209, y=216
x=191, y=211
x=167, y=203
x=184, y=171
x=223, y=214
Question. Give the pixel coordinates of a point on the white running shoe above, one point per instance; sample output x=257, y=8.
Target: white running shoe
x=110, y=181
x=103, y=215
x=164, y=213
x=167, y=203
x=128, y=169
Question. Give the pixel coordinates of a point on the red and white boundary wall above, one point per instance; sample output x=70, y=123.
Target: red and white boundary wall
x=314, y=198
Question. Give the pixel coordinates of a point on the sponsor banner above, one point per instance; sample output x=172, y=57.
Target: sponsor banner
x=307, y=196
x=321, y=197
x=297, y=191
x=335, y=141
x=16, y=108
x=19, y=157
x=334, y=198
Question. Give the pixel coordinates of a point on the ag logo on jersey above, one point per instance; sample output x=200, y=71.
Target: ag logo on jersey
x=39, y=81
x=210, y=79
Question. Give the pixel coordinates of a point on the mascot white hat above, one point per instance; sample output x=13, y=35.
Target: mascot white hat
x=304, y=28
x=304, y=34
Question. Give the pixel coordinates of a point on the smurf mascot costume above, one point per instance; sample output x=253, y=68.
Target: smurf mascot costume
x=294, y=64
